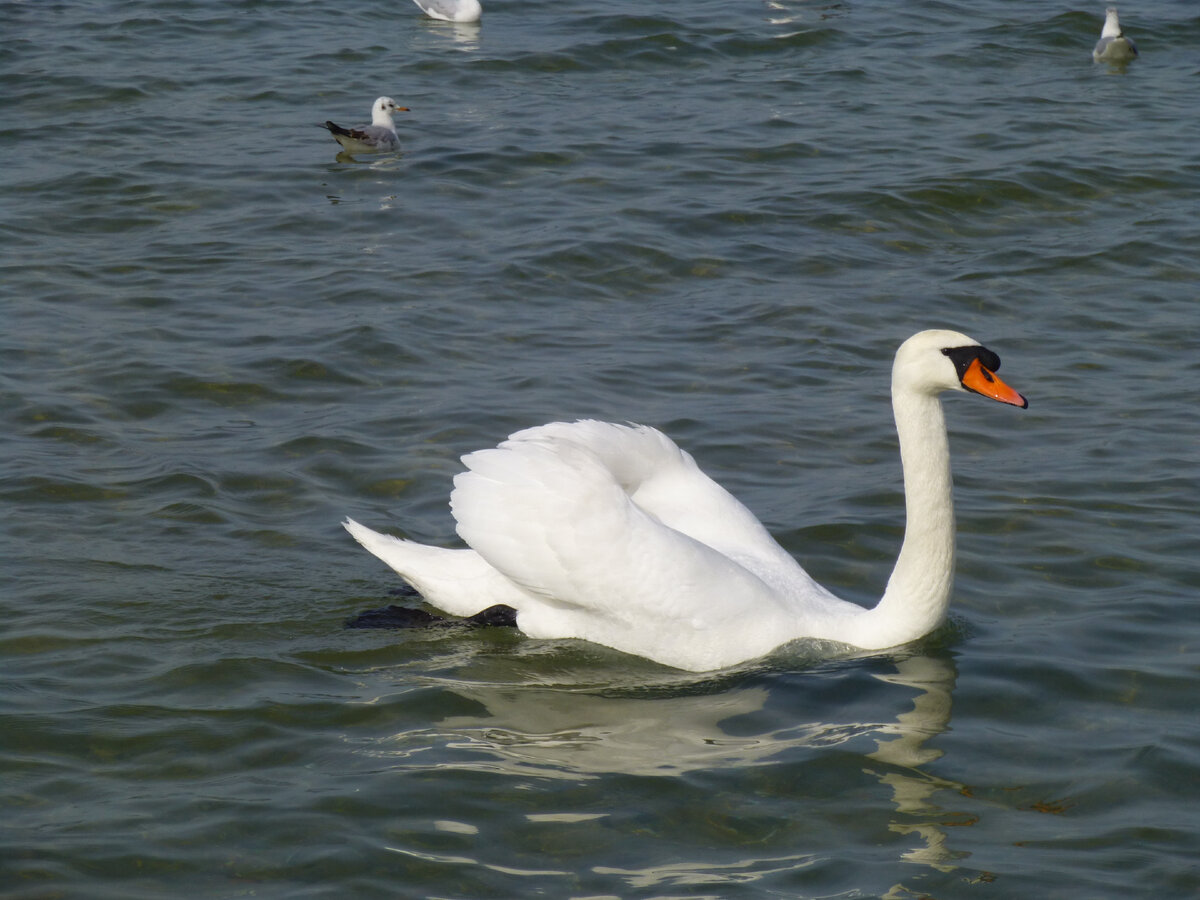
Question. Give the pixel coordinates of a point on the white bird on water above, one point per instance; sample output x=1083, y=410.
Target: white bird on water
x=612, y=534
x=1113, y=45
x=379, y=136
x=451, y=10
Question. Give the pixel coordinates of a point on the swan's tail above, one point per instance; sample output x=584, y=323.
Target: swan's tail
x=456, y=581
x=391, y=550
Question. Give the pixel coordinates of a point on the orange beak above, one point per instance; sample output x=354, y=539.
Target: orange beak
x=982, y=380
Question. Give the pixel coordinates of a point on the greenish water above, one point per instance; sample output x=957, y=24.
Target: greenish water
x=718, y=219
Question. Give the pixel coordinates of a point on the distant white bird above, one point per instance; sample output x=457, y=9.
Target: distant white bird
x=451, y=10
x=379, y=136
x=1113, y=46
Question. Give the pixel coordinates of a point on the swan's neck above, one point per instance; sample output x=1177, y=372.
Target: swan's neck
x=918, y=591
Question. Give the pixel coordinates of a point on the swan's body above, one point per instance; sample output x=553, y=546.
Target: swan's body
x=451, y=10
x=612, y=534
x=377, y=137
x=1113, y=45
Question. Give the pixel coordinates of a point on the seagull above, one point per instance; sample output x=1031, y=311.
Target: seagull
x=451, y=10
x=379, y=136
x=1113, y=46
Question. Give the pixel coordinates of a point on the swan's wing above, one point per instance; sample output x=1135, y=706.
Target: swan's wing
x=550, y=516
x=664, y=481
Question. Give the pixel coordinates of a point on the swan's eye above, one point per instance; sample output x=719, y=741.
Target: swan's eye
x=962, y=357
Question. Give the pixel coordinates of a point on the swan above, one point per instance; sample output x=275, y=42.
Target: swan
x=379, y=135
x=1113, y=45
x=612, y=534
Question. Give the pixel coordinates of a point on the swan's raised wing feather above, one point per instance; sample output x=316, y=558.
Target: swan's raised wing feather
x=664, y=481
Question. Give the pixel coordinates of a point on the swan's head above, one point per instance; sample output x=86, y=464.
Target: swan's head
x=934, y=361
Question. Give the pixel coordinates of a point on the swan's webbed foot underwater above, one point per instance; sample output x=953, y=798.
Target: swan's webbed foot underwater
x=410, y=617
x=499, y=615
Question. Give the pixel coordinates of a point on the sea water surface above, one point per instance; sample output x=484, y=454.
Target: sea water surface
x=717, y=218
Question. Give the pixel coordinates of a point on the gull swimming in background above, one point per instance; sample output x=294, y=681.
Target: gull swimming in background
x=1113, y=46
x=379, y=136
x=612, y=534
x=451, y=10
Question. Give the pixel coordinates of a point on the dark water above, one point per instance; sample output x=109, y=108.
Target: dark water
x=716, y=218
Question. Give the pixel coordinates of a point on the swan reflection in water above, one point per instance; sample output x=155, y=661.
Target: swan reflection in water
x=687, y=724
x=905, y=752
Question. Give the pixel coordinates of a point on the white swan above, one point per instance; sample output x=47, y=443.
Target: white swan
x=380, y=135
x=451, y=10
x=612, y=534
x=1113, y=45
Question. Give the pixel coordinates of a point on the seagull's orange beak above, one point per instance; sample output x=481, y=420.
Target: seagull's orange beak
x=982, y=380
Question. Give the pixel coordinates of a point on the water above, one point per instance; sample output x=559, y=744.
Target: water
x=719, y=219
